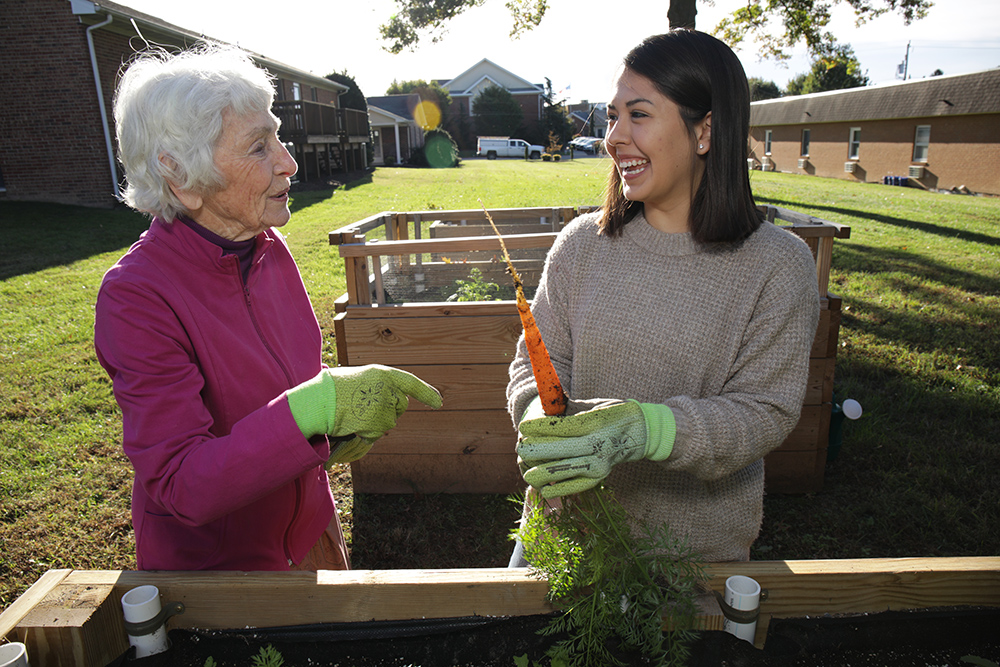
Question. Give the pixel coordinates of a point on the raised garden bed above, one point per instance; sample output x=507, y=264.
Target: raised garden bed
x=396, y=312
x=72, y=618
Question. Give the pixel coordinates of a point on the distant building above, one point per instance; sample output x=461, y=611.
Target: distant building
x=60, y=60
x=395, y=132
x=940, y=133
x=590, y=119
x=466, y=86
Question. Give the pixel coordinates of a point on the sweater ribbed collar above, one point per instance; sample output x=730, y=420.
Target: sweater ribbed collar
x=647, y=237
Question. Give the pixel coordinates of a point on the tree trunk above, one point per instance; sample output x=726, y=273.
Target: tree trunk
x=681, y=13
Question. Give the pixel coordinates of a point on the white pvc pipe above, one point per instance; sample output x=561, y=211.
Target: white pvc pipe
x=14, y=654
x=140, y=605
x=743, y=594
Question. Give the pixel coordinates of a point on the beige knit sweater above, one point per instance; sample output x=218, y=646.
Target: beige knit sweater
x=722, y=336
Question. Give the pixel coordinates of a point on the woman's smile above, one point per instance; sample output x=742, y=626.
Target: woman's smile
x=632, y=167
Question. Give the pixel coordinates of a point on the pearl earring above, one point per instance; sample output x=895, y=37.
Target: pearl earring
x=701, y=146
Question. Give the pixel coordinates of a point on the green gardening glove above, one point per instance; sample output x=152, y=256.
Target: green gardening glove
x=565, y=455
x=362, y=402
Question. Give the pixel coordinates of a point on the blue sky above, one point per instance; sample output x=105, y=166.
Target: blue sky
x=579, y=43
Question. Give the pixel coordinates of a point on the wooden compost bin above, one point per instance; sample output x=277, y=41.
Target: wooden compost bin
x=73, y=618
x=465, y=348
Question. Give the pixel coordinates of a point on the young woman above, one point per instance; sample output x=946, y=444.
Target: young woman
x=679, y=321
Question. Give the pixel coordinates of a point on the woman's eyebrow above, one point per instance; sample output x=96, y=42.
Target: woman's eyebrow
x=632, y=103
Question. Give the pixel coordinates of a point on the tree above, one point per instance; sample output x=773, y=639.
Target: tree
x=799, y=20
x=439, y=151
x=353, y=98
x=496, y=112
x=555, y=121
x=432, y=93
x=804, y=20
x=762, y=90
x=427, y=91
x=836, y=68
x=796, y=84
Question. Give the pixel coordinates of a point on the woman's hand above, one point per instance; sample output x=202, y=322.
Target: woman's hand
x=356, y=405
x=565, y=455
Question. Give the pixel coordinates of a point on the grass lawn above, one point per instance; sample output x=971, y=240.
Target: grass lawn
x=918, y=475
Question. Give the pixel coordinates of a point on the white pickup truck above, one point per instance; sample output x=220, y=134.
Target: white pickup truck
x=494, y=147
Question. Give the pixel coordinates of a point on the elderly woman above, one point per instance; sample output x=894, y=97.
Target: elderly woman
x=209, y=337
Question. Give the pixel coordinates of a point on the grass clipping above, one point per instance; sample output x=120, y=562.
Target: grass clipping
x=616, y=588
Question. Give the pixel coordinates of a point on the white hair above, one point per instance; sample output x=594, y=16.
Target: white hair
x=168, y=117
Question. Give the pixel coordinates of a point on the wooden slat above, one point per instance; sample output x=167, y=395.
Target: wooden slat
x=451, y=231
x=464, y=386
x=812, y=430
x=433, y=309
x=819, y=385
x=855, y=586
x=798, y=465
x=404, y=341
x=832, y=338
x=349, y=233
x=265, y=599
x=12, y=615
x=824, y=260
x=827, y=334
x=459, y=244
x=477, y=214
x=449, y=432
x=340, y=340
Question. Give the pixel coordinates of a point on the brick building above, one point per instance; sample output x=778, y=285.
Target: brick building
x=59, y=61
x=466, y=86
x=940, y=133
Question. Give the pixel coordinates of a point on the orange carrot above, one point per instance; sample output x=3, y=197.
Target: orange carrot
x=549, y=388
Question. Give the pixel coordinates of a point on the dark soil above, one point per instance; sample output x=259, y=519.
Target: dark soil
x=929, y=638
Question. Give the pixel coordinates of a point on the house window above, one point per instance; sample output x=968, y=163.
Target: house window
x=804, y=150
x=315, y=94
x=296, y=91
x=767, y=142
x=854, y=143
x=921, y=143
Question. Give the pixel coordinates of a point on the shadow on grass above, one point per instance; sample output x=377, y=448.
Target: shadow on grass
x=37, y=236
x=304, y=195
x=941, y=306
x=914, y=476
x=861, y=258
x=926, y=227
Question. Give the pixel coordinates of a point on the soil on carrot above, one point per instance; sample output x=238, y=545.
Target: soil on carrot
x=949, y=636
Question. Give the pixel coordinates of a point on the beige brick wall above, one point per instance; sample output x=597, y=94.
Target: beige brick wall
x=964, y=150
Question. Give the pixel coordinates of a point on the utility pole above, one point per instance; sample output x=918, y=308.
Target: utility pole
x=906, y=61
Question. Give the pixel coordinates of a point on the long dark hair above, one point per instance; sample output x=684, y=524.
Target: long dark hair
x=699, y=73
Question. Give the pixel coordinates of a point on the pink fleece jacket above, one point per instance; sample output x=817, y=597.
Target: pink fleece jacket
x=199, y=362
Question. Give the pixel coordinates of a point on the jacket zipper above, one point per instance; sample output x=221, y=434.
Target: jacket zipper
x=288, y=381
x=263, y=340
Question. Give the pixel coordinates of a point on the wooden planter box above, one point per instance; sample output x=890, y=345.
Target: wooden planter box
x=73, y=618
x=465, y=348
